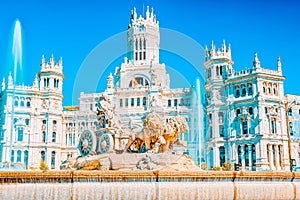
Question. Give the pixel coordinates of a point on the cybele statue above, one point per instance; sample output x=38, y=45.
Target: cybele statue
x=117, y=148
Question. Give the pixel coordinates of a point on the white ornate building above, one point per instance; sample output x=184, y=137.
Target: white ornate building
x=246, y=114
x=246, y=120
x=31, y=118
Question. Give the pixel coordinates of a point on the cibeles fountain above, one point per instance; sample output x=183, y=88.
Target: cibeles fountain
x=155, y=146
x=145, y=162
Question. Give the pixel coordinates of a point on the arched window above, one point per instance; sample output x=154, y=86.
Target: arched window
x=136, y=44
x=290, y=112
x=169, y=103
x=54, y=137
x=251, y=111
x=222, y=155
x=264, y=88
x=54, y=122
x=250, y=90
x=144, y=101
x=43, y=155
x=26, y=158
x=217, y=70
x=44, y=121
x=269, y=88
x=243, y=90
x=44, y=136
x=16, y=103
x=291, y=128
x=175, y=102
x=138, y=101
x=221, y=70
x=22, y=104
x=19, y=156
x=27, y=121
x=28, y=104
x=53, y=160
x=237, y=91
x=275, y=89
x=238, y=111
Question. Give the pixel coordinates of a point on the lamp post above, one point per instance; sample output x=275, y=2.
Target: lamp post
x=289, y=106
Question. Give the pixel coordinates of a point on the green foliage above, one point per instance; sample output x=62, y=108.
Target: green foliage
x=43, y=165
x=203, y=166
x=227, y=166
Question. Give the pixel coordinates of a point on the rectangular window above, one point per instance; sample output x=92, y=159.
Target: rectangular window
x=221, y=130
x=132, y=102
x=175, y=102
x=136, y=55
x=221, y=117
x=144, y=55
x=245, y=127
x=140, y=55
x=138, y=101
x=20, y=135
x=273, y=126
x=126, y=102
x=169, y=103
x=121, y=102
x=91, y=106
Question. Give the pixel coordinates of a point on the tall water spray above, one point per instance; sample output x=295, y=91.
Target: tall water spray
x=17, y=62
x=199, y=119
x=17, y=48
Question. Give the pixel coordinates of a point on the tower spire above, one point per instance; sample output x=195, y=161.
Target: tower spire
x=224, y=46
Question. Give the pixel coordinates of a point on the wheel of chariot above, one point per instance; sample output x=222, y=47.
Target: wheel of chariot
x=87, y=142
x=105, y=143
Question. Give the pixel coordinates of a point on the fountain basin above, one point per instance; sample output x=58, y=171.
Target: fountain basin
x=144, y=176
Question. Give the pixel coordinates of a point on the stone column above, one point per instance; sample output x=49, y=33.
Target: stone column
x=271, y=159
x=250, y=158
x=216, y=156
x=276, y=157
x=243, y=156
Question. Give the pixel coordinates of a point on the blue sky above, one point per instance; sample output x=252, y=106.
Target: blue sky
x=73, y=29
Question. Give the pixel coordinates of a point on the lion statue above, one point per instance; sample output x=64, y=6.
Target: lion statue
x=157, y=135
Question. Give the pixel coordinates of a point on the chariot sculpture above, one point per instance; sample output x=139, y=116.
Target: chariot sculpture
x=156, y=135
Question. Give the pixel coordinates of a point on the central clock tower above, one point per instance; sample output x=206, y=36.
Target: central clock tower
x=143, y=38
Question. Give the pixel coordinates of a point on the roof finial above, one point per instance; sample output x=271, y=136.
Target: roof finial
x=43, y=59
x=147, y=13
x=279, y=64
x=256, y=62
x=224, y=46
x=3, y=84
x=134, y=14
